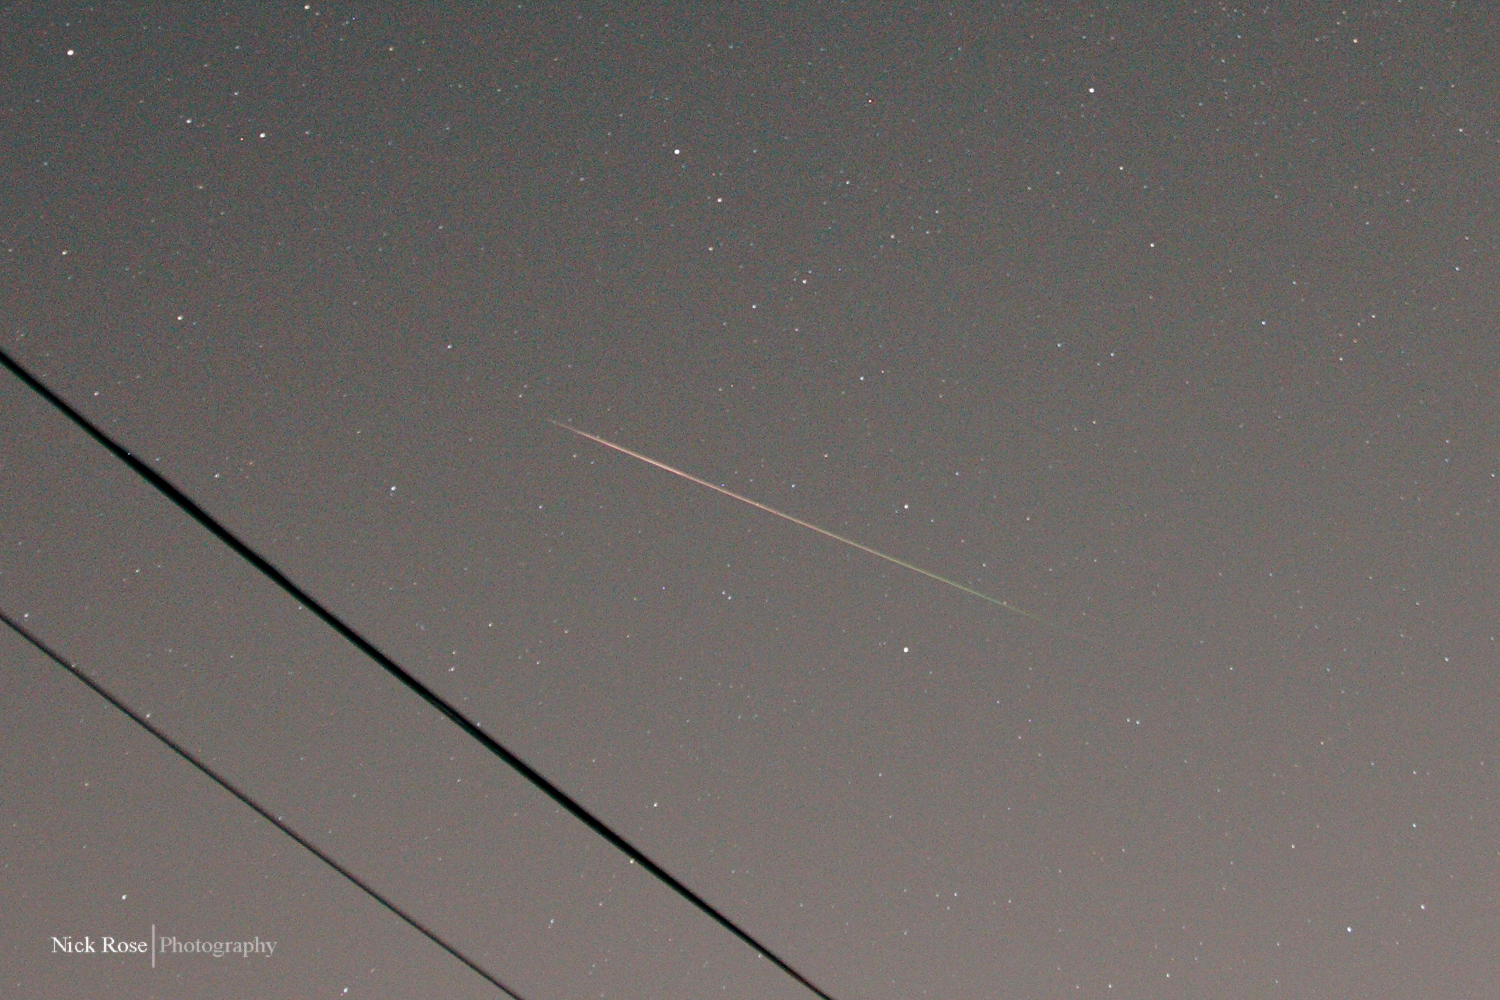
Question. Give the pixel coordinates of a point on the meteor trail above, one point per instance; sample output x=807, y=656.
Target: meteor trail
x=799, y=522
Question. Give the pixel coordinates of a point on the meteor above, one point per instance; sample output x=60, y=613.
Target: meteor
x=799, y=522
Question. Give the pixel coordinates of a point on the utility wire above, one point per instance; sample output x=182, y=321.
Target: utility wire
x=563, y=799
x=244, y=797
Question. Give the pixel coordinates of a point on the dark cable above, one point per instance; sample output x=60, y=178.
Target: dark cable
x=188, y=756
x=209, y=523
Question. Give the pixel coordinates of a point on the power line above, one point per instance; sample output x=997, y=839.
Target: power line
x=244, y=797
x=563, y=799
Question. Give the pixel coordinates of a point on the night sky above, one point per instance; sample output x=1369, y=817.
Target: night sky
x=1176, y=329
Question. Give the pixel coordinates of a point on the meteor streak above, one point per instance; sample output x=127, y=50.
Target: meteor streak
x=799, y=522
